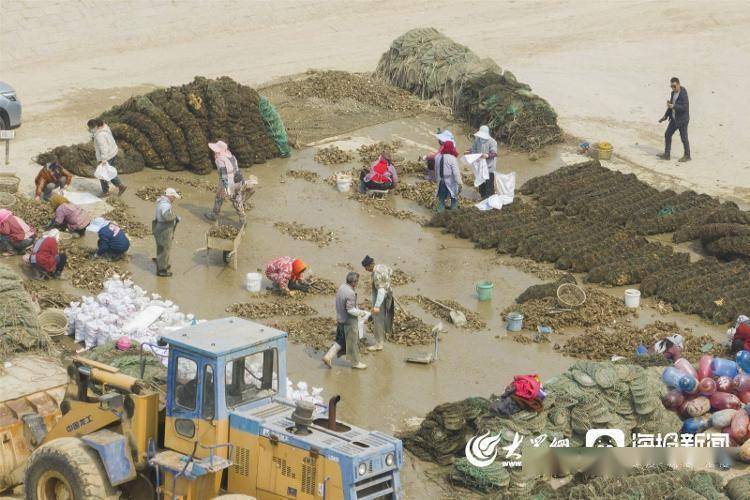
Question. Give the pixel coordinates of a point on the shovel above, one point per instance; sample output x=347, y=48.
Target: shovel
x=457, y=317
x=425, y=358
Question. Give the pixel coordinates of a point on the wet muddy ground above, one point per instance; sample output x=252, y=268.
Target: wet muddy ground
x=390, y=391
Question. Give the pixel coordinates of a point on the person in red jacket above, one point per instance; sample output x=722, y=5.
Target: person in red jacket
x=45, y=257
x=15, y=235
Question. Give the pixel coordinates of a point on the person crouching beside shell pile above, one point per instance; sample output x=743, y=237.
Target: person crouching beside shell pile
x=45, y=258
x=15, y=235
x=113, y=242
x=68, y=216
x=381, y=176
x=347, y=324
x=286, y=275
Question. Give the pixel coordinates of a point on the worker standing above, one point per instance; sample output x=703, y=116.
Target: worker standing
x=45, y=258
x=106, y=150
x=485, y=145
x=347, y=331
x=68, y=216
x=52, y=176
x=231, y=182
x=382, y=301
x=447, y=173
x=163, y=226
x=15, y=235
x=286, y=275
x=113, y=242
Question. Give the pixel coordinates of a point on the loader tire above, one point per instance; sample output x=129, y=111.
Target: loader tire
x=67, y=468
x=234, y=496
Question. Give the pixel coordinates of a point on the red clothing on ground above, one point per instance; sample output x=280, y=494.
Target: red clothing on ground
x=46, y=254
x=15, y=229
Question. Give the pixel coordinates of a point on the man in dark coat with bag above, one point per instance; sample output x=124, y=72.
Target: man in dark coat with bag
x=678, y=114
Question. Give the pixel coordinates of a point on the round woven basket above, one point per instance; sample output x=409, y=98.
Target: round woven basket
x=9, y=183
x=7, y=200
x=570, y=295
x=53, y=322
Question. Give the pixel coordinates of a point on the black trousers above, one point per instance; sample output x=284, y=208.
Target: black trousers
x=671, y=129
x=487, y=188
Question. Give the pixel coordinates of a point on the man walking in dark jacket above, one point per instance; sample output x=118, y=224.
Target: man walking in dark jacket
x=678, y=114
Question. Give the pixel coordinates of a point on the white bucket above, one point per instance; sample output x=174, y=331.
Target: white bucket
x=343, y=182
x=632, y=298
x=253, y=282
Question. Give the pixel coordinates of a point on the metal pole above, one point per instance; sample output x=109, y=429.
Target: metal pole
x=7, y=152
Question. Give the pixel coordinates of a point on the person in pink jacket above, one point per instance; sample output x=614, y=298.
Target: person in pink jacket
x=68, y=216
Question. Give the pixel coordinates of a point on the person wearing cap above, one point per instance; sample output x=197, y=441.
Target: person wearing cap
x=106, y=150
x=15, y=235
x=485, y=145
x=381, y=176
x=286, y=275
x=447, y=173
x=347, y=331
x=382, y=301
x=52, y=176
x=163, y=226
x=45, y=257
x=68, y=216
x=113, y=242
x=231, y=183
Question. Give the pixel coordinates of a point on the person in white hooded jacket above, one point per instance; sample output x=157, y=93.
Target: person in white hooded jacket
x=106, y=150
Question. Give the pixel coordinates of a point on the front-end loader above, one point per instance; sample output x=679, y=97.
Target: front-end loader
x=226, y=427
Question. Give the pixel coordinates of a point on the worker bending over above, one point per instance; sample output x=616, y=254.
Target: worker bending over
x=382, y=175
x=347, y=331
x=45, y=257
x=52, y=176
x=232, y=185
x=163, y=227
x=113, y=242
x=286, y=275
x=15, y=235
x=382, y=301
x=68, y=216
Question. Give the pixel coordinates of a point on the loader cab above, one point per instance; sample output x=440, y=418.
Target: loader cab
x=217, y=367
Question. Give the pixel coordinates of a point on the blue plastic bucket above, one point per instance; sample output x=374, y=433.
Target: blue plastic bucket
x=484, y=290
x=515, y=322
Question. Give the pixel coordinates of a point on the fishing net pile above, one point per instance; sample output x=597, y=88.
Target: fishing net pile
x=724, y=233
x=19, y=328
x=589, y=395
x=433, y=66
x=585, y=218
x=170, y=128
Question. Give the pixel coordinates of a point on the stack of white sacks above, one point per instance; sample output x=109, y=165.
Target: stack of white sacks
x=125, y=309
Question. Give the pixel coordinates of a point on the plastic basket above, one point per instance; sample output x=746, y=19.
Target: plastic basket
x=53, y=322
x=9, y=183
x=570, y=295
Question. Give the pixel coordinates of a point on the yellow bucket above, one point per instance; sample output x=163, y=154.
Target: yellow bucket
x=604, y=150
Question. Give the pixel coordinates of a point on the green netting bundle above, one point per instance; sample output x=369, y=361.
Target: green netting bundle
x=486, y=479
x=170, y=129
x=433, y=66
x=19, y=328
x=274, y=125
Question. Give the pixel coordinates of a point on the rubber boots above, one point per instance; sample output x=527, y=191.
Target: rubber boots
x=328, y=358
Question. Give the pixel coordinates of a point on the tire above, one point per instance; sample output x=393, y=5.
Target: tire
x=66, y=465
x=234, y=496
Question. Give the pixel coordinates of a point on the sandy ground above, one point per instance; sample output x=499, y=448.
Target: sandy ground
x=603, y=65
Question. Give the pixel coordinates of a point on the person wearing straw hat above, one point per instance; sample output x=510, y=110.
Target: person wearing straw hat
x=163, y=227
x=45, y=258
x=447, y=173
x=15, y=235
x=52, y=176
x=68, y=216
x=382, y=301
x=231, y=183
x=485, y=145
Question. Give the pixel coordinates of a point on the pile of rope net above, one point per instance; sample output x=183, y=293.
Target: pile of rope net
x=170, y=128
x=433, y=66
x=19, y=328
x=589, y=395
